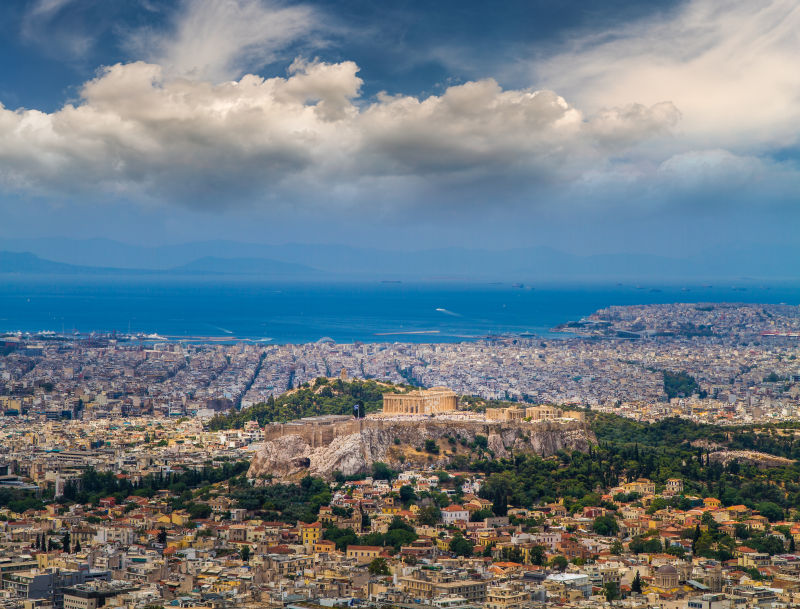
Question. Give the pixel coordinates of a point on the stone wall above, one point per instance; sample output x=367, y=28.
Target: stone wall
x=316, y=433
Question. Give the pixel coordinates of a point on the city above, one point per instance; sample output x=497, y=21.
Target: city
x=743, y=369
x=137, y=473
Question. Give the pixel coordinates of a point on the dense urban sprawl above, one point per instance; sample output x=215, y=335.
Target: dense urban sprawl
x=115, y=490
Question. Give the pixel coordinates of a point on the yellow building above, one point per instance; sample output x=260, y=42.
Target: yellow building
x=675, y=486
x=504, y=597
x=324, y=545
x=643, y=486
x=364, y=554
x=312, y=533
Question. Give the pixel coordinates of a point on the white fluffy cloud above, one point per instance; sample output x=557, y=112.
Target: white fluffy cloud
x=672, y=109
x=139, y=132
x=730, y=67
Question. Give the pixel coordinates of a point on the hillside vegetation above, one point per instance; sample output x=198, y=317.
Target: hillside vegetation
x=323, y=396
x=670, y=448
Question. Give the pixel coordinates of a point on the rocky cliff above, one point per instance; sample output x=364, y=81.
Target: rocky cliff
x=402, y=442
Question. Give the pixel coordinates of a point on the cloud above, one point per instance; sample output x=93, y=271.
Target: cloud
x=47, y=8
x=730, y=67
x=42, y=25
x=140, y=133
x=219, y=40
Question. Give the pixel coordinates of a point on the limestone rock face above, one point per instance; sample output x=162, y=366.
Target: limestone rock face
x=353, y=447
x=760, y=460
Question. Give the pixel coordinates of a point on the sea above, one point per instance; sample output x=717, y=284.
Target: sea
x=228, y=310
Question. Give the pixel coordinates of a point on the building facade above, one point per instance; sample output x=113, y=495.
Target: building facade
x=422, y=401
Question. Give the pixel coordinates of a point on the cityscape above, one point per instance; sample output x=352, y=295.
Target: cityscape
x=344, y=304
x=140, y=472
x=740, y=363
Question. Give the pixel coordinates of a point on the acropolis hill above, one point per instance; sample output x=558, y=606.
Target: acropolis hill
x=323, y=445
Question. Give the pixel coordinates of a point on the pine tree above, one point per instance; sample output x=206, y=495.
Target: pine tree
x=77, y=546
x=636, y=585
x=500, y=505
x=65, y=545
x=695, y=537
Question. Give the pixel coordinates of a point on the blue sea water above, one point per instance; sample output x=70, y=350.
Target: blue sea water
x=345, y=312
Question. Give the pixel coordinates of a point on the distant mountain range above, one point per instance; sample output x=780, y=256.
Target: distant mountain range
x=322, y=262
x=25, y=263
x=244, y=266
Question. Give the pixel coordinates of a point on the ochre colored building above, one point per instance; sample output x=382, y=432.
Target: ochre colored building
x=422, y=401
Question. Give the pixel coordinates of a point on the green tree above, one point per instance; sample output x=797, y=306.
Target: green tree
x=381, y=471
x=245, y=553
x=407, y=494
x=341, y=537
x=162, y=536
x=378, y=566
x=616, y=547
x=605, y=525
x=537, y=554
x=512, y=554
x=559, y=562
x=430, y=515
x=678, y=551
x=199, y=511
x=461, y=546
x=611, y=591
x=639, y=545
x=500, y=503
x=703, y=545
x=636, y=584
x=65, y=542
x=771, y=511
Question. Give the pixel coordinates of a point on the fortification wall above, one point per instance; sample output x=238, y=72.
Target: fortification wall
x=317, y=434
x=314, y=433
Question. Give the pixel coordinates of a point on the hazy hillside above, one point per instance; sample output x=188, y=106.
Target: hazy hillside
x=248, y=266
x=347, y=261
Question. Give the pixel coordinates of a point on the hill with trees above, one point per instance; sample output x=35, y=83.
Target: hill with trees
x=323, y=396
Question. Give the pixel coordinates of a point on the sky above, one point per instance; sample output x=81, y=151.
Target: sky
x=668, y=128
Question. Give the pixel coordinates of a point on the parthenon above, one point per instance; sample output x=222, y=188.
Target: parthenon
x=422, y=401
